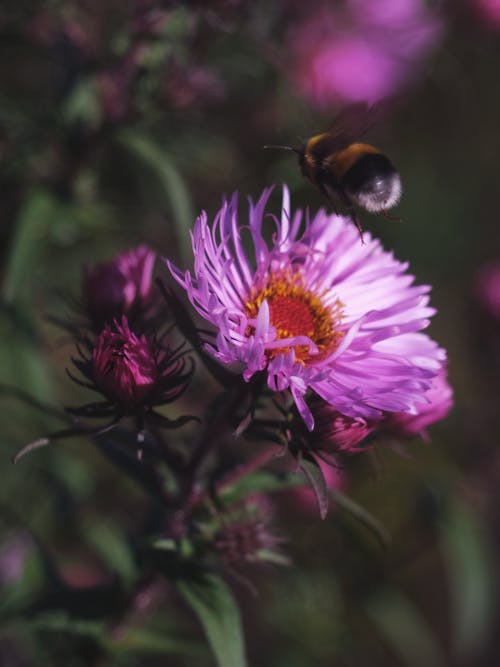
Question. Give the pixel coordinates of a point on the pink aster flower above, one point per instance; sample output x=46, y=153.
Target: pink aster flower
x=313, y=310
x=122, y=286
x=489, y=10
x=439, y=401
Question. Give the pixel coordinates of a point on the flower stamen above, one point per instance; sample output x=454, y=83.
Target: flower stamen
x=295, y=310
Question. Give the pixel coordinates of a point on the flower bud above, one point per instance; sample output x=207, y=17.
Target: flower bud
x=125, y=367
x=122, y=286
x=336, y=433
x=134, y=372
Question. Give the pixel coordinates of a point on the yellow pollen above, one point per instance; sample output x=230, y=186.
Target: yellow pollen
x=296, y=311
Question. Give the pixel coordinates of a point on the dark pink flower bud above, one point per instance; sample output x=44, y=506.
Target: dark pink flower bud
x=489, y=11
x=122, y=286
x=134, y=373
x=125, y=367
x=439, y=403
x=336, y=433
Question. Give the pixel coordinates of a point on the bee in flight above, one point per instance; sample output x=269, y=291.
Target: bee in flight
x=348, y=171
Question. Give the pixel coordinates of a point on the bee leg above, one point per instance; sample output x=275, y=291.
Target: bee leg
x=324, y=191
x=392, y=218
x=351, y=212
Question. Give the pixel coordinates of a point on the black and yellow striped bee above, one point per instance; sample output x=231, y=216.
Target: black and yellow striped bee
x=347, y=170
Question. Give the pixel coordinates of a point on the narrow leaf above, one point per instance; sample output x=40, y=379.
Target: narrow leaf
x=361, y=514
x=62, y=622
x=260, y=481
x=26, y=449
x=216, y=609
x=405, y=630
x=314, y=474
x=33, y=218
x=165, y=544
x=471, y=578
x=135, y=640
x=128, y=640
x=171, y=181
x=112, y=546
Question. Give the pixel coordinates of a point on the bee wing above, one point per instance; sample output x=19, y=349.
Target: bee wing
x=352, y=121
x=355, y=120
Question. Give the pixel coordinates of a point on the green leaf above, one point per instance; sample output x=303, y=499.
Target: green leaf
x=133, y=640
x=471, y=578
x=165, y=545
x=33, y=219
x=23, y=363
x=17, y=595
x=274, y=557
x=405, y=630
x=315, y=476
x=75, y=474
x=82, y=105
x=127, y=640
x=213, y=603
x=171, y=181
x=60, y=621
x=112, y=547
x=260, y=481
x=362, y=515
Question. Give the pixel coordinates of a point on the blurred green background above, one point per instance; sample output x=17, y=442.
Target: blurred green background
x=119, y=123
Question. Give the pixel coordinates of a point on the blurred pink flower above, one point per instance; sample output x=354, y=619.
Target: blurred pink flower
x=487, y=289
x=122, y=286
x=14, y=552
x=363, y=52
x=440, y=402
x=189, y=85
x=489, y=10
x=81, y=574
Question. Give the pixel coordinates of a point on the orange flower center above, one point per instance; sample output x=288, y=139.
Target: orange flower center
x=297, y=311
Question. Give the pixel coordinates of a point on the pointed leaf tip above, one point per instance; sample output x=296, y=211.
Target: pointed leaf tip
x=34, y=444
x=315, y=477
x=213, y=603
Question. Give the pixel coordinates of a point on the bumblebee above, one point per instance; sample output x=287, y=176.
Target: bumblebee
x=348, y=171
